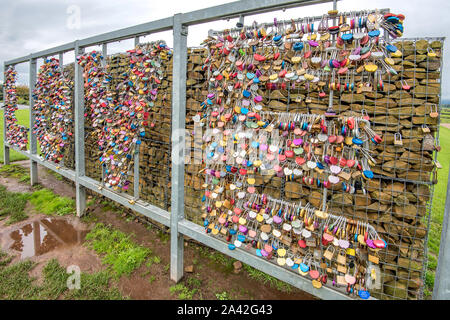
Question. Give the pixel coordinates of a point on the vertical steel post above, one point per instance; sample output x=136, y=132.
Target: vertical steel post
x=330, y=106
x=441, y=289
x=136, y=156
x=33, y=140
x=61, y=69
x=105, y=55
x=178, y=145
x=5, y=147
x=79, y=133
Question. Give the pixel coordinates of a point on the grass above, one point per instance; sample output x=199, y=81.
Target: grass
x=23, y=117
x=188, y=289
x=17, y=284
x=56, y=175
x=13, y=204
x=219, y=260
x=120, y=253
x=445, y=115
x=226, y=265
x=163, y=236
x=45, y=201
x=109, y=205
x=437, y=214
x=267, y=279
x=95, y=286
x=223, y=296
x=15, y=171
x=184, y=293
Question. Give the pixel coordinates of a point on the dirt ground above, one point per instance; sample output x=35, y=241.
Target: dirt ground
x=213, y=277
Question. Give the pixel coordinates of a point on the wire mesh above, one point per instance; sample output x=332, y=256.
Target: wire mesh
x=16, y=135
x=397, y=201
x=53, y=112
x=154, y=154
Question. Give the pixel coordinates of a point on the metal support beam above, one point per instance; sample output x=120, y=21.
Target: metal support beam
x=67, y=173
x=5, y=147
x=148, y=210
x=33, y=139
x=242, y=8
x=105, y=55
x=197, y=232
x=178, y=145
x=441, y=289
x=131, y=32
x=79, y=134
x=136, y=155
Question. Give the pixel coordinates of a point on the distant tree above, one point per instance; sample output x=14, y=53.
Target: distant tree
x=23, y=92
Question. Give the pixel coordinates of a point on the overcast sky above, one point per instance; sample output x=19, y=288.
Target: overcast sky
x=28, y=26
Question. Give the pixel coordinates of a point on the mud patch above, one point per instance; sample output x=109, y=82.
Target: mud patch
x=48, y=180
x=12, y=185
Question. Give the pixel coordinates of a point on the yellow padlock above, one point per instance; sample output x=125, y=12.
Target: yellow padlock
x=389, y=61
x=348, y=141
x=371, y=67
x=325, y=37
x=396, y=54
x=296, y=59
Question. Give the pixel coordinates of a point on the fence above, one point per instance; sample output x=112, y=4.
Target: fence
x=445, y=114
x=397, y=201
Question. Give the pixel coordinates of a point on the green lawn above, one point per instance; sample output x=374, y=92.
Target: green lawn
x=437, y=214
x=24, y=119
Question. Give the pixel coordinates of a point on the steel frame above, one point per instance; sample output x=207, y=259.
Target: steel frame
x=179, y=226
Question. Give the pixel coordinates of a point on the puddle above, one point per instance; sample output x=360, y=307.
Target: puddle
x=42, y=236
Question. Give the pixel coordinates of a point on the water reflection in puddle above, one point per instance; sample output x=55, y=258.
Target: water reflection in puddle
x=43, y=236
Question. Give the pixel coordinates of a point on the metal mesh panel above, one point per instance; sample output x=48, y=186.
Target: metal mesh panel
x=196, y=89
x=53, y=120
x=154, y=151
x=397, y=201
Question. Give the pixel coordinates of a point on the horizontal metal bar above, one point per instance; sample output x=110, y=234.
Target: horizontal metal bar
x=55, y=50
x=421, y=38
x=242, y=8
x=121, y=34
x=18, y=60
x=148, y=210
x=48, y=52
x=67, y=173
x=310, y=20
x=196, y=232
x=130, y=32
x=153, y=212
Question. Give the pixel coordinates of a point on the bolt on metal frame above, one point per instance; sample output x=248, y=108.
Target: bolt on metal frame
x=180, y=227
